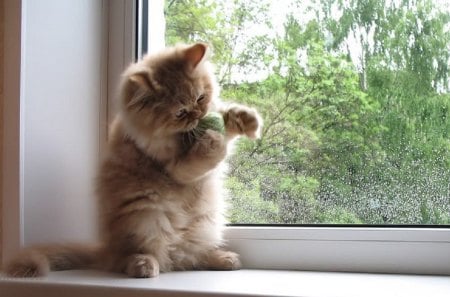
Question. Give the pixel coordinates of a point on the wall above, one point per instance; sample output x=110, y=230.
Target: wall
x=1, y=121
x=51, y=154
x=62, y=90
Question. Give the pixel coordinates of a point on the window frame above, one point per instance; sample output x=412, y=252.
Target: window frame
x=409, y=250
x=380, y=249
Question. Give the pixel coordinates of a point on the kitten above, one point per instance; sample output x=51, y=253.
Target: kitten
x=160, y=185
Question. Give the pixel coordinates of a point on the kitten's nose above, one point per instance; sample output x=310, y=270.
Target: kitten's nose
x=196, y=114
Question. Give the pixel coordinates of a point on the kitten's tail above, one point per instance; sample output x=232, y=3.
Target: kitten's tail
x=39, y=260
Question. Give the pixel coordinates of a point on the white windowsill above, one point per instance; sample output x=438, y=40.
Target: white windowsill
x=231, y=283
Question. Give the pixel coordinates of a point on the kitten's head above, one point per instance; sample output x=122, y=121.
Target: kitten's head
x=167, y=93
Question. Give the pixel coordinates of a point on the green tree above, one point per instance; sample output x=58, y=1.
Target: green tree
x=408, y=36
x=225, y=25
x=356, y=116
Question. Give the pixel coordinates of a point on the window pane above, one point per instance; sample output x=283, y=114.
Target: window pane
x=355, y=99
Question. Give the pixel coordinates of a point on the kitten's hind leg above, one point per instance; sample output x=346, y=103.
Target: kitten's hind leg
x=222, y=260
x=142, y=266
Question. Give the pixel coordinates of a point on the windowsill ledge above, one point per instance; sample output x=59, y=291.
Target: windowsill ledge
x=234, y=283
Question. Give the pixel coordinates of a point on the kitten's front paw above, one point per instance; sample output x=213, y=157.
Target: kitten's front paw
x=210, y=145
x=142, y=266
x=242, y=120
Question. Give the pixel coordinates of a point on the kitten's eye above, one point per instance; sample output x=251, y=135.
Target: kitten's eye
x=201, y=97
x=182, y=112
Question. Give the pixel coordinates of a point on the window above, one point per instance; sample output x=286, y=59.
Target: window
x=355, y=98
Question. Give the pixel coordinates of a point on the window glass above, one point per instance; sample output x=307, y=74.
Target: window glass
x=355, y=100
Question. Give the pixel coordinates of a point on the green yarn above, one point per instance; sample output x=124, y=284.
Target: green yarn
x=212, y=120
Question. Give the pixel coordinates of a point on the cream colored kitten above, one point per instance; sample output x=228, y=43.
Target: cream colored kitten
x=160, y=196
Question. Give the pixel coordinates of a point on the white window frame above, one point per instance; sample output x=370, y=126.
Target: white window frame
x=353, y=249
x=414, y=250
x=363, y=249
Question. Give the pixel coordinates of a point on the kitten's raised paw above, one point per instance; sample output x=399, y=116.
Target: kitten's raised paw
x=223, y=260
x=242, y=120
x=142, y=266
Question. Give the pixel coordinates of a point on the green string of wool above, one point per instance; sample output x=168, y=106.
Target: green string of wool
x=212, y=120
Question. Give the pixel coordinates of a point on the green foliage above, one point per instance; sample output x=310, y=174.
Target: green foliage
x=412, y=37
x=348, y=138
x=223, y=25
x=337, y=215
x=252, y=208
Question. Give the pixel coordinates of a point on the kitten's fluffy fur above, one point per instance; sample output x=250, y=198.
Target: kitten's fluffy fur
x=159, y=186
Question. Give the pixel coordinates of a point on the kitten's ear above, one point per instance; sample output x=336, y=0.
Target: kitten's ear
x=138, y=88
x=195, y=54
x=140, y=80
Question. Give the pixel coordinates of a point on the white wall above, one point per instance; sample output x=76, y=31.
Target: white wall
x=61, y=88
x=61, y=78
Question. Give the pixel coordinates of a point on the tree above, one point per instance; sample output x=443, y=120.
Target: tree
x=225, y=25
x=403, y=36
x=350, y=136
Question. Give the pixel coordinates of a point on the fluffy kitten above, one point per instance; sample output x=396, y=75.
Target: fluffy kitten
x=159, y=186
